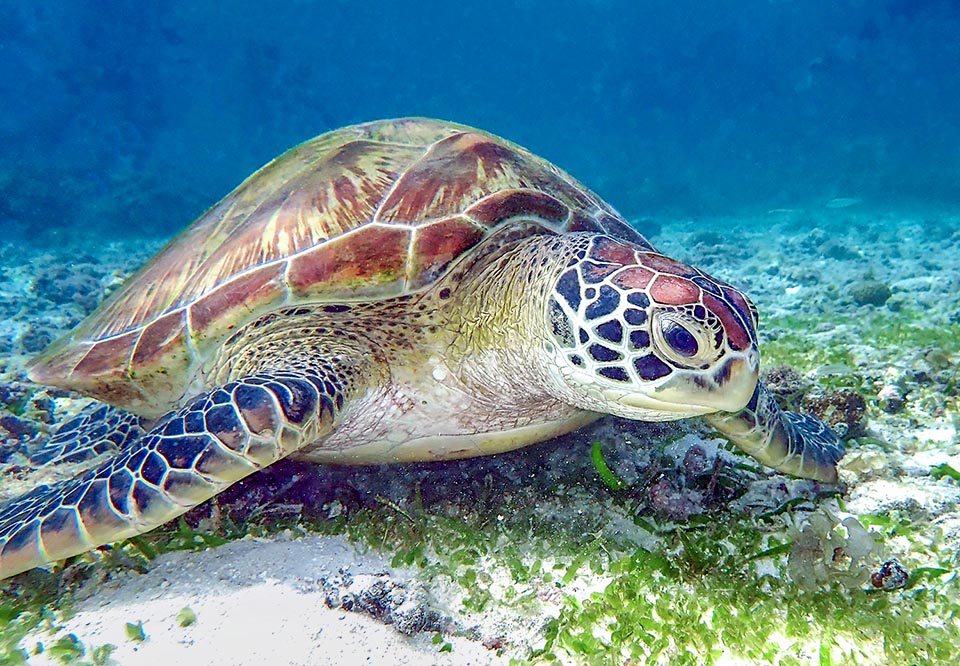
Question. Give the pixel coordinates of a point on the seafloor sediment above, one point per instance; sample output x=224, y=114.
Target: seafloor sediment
x=859, y=322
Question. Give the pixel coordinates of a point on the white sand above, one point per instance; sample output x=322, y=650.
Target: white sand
x=256, y=602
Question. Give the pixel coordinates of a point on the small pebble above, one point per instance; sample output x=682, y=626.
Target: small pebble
x=891, y=399
x=891, y=576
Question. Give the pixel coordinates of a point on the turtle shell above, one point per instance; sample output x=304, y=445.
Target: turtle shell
x=367, y=212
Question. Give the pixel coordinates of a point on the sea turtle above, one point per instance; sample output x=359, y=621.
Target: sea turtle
x=401, y=290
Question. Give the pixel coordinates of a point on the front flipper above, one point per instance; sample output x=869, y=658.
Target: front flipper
x=795, y=444
x=192, y=455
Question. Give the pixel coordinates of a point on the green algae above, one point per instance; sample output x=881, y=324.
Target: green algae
x=793, y=342
x=712, y=589
x=606, y=474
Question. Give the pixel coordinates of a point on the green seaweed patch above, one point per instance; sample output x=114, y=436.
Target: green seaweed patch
x=135, y=632
x=715, y=588
x=944, y=470
x=898, y=333
x=696, y=600
x=729, y=574
x=33, y=600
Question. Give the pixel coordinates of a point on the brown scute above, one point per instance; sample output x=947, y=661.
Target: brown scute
x=55, y=364
x=633, y=277
x=458, y=171
x=607, y=250
x=436, y=245
x=618, y=227
x=150, y=292
x=662, y=264
x=108, y=359
x=337, y=194
x=673, y=290
x=446, y=178
x=361, y=264
x=409, y=131
x=494, y=209
x=161, y=342
x=582, y=222
x=318, y=190
x=223, y=308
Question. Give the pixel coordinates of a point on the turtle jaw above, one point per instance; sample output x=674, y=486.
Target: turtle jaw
x=727, y=389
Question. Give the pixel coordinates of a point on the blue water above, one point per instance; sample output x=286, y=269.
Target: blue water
x=134, y=117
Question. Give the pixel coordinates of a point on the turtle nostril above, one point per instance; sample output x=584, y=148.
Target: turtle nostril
x=680, y=339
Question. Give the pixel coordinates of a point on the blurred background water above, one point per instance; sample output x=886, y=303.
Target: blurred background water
x=132, y=118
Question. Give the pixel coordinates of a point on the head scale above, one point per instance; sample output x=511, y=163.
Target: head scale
x=637, y=334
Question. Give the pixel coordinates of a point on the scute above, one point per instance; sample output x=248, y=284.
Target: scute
x=367, y=212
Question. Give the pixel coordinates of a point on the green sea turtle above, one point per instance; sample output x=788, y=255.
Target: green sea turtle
x=403, y=290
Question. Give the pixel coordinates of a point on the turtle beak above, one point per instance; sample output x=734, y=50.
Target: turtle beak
x=727, y=389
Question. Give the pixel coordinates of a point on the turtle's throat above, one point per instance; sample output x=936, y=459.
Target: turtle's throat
x=497, y=313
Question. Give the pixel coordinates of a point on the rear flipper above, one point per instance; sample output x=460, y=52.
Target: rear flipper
x=190, y=456
x=96, y=430
x=796, y=444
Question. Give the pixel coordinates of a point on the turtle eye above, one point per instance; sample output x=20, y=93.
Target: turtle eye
x=683, y=340
x=679, y=338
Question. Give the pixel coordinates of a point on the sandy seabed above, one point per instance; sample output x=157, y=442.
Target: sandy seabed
x=262, y=601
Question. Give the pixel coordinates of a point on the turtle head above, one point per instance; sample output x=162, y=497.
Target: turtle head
x=634, y=333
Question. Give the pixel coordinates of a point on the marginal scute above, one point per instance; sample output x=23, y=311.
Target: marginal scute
x=219, y=309
x=582, y=222
x=108, y=357
x=161, y=339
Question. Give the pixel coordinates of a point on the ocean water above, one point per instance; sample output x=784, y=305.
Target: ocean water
x=808, y=153
x=677, y=107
